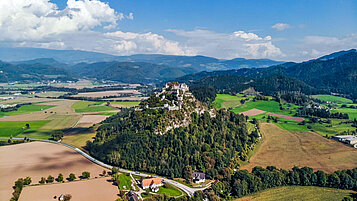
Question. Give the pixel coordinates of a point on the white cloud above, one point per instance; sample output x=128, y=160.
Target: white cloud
x=231, y=45
x=37, y=19
x=316, y=46
x=281, y=26
x=134, y=43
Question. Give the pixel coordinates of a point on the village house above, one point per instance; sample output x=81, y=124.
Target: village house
x=198, y=177
x=152, y=183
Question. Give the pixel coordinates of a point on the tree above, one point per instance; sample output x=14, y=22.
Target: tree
x=50, y=179
x=187, y=172
x=85, y=175
x=67, y=197
x=60, y=177
x=27, y=126
x=71, y=177
x=57, y=135
x=43, y=180
x=104, y=173
x=27, y=181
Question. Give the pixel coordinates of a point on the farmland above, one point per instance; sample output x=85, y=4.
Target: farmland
x=229, y=101
x=14, y=128
x=26, y=109
x=95, y=189
x=88, y=106
x=125, y=104
x=102, y=94
x=285, y=149
x=38, y=159
x=333, y=99
x=303, y=193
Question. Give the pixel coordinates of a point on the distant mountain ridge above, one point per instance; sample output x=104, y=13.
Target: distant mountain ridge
x=336, y=73
x=72, y=57
x=32, y=73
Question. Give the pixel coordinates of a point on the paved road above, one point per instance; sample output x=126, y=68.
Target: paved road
x=190, y=191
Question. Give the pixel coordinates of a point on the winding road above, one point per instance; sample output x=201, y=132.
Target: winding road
x=190, y=191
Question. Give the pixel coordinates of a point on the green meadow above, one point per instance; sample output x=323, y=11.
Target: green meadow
x=333, y=99
x=26, y=109
x=15, y=128
x=89, y=106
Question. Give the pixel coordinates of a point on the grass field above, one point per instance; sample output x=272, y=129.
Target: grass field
x=26, y=109
x=352, y=113
x=125, y=182
x=79, y=140
x=169, y=190
x=107, y=113
x=301, y=193
x=269, y=106
x=88, y=106
x=229, y=101
x=14, y=128
x=285, y=149
x=125, y=104
x=333, y=99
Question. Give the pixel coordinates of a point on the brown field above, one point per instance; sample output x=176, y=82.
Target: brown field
x=89, y=120
x=286, y=117
x=39, y=159
x=63, y=107
x=101, y=94
x=90, y=190
x=285, y=149
x=253, y=112
x=131, y=98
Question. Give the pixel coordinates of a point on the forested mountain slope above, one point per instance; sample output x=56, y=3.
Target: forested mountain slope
x=202, y=139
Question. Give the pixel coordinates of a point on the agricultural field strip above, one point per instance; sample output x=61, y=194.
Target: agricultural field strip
x=189, y=191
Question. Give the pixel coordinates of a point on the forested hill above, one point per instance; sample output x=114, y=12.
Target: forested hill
x=129, y=72
x=332, y=73
x=267, y=85
x=32, y=73
x=202, y=139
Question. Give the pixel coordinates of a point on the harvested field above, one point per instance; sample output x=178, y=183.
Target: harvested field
x=302, y=193
x=285, y=149
x=101, y=94
x=89, y=190
x=286, y=117
x=253, y=112
x=39, y=159
x=131, y=98
x=89, y=120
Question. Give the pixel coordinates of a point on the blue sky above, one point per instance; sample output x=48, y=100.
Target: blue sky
x=303, y=29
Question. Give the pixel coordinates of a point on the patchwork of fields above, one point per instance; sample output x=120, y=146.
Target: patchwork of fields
x=285, y=149
x=301, y=193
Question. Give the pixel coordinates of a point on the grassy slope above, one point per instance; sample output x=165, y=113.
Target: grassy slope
x=334, y=99
x=26, y=109
x=88, y=106
x=298, y=193
x=228, y=101
x=352, y=113
x=14, y=128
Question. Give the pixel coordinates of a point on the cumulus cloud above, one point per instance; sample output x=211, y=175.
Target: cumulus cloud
x=231, y=45
x=134, y=43
x=281, y=26
x=37, y=19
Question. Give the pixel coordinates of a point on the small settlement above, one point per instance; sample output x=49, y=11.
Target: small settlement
x=152, y=183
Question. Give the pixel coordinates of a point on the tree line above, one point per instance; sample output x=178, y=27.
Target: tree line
x=243, y=183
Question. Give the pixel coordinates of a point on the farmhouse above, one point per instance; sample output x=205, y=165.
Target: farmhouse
x=152, y=183
x=348, y=139
x=198, y=177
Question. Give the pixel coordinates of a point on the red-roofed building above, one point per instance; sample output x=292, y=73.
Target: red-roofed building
x=151, y=183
